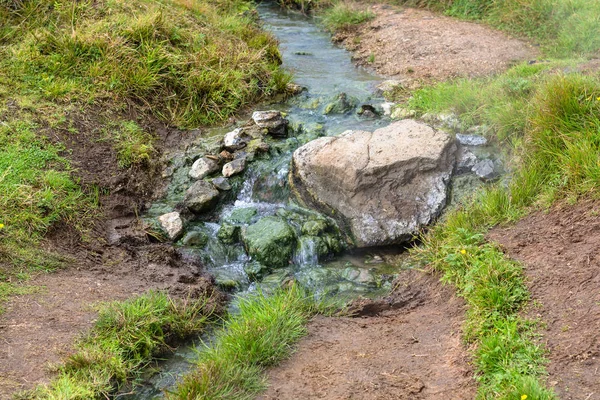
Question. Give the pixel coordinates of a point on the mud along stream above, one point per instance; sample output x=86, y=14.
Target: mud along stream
x=259, y=201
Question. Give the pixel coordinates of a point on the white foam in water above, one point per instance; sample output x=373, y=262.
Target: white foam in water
x=306, y=254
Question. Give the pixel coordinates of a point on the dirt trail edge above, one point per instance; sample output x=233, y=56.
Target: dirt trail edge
x=562, y=265
x=407, y=346
x=415, y=45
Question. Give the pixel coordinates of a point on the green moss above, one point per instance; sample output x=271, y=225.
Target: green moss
x=270, y=241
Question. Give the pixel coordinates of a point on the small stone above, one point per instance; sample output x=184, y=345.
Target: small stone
x=236, y=139
x=389, y=85
x=367, y=111
x=402, y=113
x=387, y=107
x=172, y=224
x=225, y=155
x=243, y=215
x=272, y=121
x=195, y=239
x=201, y=196
x=294, y=89
x=221, y=183
x=341, y=104
x=471, y=140
x=234, y=167
x=255, y=270
x=485, y=169
x=466, y=161
x=228, y=233
x=203, y=167
x=314, y=228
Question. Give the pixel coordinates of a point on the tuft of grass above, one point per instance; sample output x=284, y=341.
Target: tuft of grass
x=125, y=339
x=343, y=15
x=134, y=145
x=261, y=334
x=189, y=62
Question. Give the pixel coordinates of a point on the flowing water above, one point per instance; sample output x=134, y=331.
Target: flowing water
x=325, y=71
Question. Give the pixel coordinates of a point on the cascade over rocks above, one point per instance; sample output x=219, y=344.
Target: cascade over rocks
x=383, y=186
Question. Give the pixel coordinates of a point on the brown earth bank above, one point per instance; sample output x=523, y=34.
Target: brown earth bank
x=117, y=258
x=415, y=46
x=407, y=346
x=560, y=251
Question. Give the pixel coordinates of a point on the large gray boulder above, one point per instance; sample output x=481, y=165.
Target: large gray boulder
x=382, y=186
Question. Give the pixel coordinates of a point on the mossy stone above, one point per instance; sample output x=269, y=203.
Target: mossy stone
x=228, y=233
x=195, y=239
x=243, y=215
x=271, y=241
x=255, y=270
x=314, y=227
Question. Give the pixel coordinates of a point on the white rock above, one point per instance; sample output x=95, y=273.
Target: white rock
x=203, y=167
x=172, y=224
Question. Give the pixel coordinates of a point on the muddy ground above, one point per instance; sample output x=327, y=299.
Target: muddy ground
x=560, y=251
x=407, y=346
x=116, y=259
x=418, y=46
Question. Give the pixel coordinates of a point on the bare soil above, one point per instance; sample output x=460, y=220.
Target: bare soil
x=415, y=45
x=407, y=346
x=560, y=251
x=116, y=260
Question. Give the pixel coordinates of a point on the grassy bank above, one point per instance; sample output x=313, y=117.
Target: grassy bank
x=550, y=121
x=259, y=336
x=97, y=72
x=125, y=338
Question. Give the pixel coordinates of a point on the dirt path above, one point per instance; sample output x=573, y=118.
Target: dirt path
x=560, y=250
x=417, y=45
x=406, y=347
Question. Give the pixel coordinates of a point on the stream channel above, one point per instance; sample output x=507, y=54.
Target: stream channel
x=326, y=71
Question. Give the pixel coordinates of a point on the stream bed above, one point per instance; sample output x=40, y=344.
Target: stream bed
x=322, y=261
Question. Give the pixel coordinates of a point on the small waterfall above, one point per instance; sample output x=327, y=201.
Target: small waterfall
x=306, y=254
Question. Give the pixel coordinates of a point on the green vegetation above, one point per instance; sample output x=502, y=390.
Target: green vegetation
x=342, y=15
x=126, y=337
x=75, y=72
x=260, y=335
x=189, y=62
x=551, y=122
x=36, y=190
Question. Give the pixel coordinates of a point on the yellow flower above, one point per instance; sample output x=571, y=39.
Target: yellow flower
x=463, y=251
x=1, y=226
x=597, y=99
x=523, y=396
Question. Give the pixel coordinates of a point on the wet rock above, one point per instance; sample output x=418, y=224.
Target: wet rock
x=221, y=183
x=471, y=140
x=236, y=139
x=486, y=170
x=272, y=121
x=293, y=89
x=226, y=156
x=172, y=224
x=243, y=215
x=314, y=228
x=360, y=275
x=382, y=186
x=234, y=167
x=387, y=107
x=195, y=239
x=368, y=111
x=270, y=241
x=466, y=161
x=342, y=104
x=255, y=270
x=389, y=86
x=203, y=167
x=228, y=233
x=402, y=113
x=201, y=196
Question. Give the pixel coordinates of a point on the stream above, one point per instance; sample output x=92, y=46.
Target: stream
x=329, y=269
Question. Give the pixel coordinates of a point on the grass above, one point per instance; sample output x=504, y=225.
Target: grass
x=343, y=15
x=188, y=62
x=550, y=120
x=126, y=337
x=260, y=335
